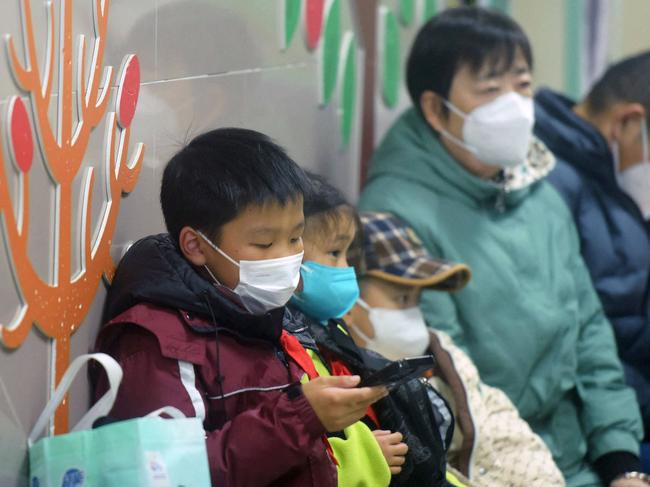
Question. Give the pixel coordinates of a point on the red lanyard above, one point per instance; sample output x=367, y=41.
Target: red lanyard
x=299, y=355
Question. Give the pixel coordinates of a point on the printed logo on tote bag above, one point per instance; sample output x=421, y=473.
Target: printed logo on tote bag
x=156, y=469
x=73, y=478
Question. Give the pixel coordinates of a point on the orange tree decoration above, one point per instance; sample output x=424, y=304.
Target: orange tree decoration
x=58, y=307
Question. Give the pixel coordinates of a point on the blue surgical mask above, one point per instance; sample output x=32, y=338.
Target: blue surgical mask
x=327, y=292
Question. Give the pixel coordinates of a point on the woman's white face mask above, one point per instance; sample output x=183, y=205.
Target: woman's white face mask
x=498, y=133
x=399, y=333
x=635, y=180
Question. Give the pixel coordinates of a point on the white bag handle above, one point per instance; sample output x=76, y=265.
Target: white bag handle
x=171, y=411
x=101, y=407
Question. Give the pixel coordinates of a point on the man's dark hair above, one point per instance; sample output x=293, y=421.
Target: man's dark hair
x=456, y=37
x=219, y=173
x=625, y=81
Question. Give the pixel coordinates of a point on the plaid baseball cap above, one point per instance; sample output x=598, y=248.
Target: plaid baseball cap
x=393, y=252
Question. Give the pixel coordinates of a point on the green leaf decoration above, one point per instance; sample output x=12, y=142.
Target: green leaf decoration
x=406, y=11
x=430, y=9
x=501, y=5
x=574, y=23
x=329, y=50
x=348, y=86
x=390, y=56
x=290, y=18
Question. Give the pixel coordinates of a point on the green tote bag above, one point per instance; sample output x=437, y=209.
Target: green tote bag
x=142, y=452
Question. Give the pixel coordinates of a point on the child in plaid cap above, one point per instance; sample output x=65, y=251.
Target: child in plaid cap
x=492, y=445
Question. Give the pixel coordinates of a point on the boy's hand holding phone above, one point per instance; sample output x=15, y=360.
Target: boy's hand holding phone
x=337, y=400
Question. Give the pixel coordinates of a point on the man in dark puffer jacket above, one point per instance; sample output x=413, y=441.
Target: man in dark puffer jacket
x=603, y=173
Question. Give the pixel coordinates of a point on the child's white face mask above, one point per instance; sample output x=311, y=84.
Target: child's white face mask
x=498, y=133
x=263, y=284
x=399, y=333
x=635, y=181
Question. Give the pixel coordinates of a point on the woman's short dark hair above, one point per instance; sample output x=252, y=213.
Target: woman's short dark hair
x=221, y=172
x=471, y=36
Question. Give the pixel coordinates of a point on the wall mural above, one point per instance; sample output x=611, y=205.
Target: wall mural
x=336, y=51
x=388, y=42
x=57, y=306
x=89, y=94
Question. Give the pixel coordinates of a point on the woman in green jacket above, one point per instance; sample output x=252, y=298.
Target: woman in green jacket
x=462, y=168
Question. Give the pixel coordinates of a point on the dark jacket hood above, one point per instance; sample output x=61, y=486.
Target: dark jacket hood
x=572, y=138
x=154, y=271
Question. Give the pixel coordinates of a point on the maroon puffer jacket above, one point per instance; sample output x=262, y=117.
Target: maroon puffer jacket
x=260, y=429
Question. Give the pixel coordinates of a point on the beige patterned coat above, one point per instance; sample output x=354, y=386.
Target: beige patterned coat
x=492, y=446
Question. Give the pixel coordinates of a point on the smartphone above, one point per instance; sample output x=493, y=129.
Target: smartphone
x=399, y=371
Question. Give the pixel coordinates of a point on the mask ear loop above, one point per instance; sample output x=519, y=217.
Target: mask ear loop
x=617, y=158
x=214, y=278
x=364, y=305
x=357, y=329
x=296, y=295
x=644, y=139
x=453, y=138
x=454, y=108
x=211, y=244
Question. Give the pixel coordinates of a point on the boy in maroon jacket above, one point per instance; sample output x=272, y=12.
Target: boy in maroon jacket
x=194, y=317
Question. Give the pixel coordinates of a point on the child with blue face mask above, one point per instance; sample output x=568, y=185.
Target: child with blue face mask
x=328, y=291
x=329, y=284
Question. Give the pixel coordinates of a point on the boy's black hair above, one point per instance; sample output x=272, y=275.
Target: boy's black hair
x=625, y=81
x=221, y=172
x=321, y=196
x=325, y=207
x=471, y=36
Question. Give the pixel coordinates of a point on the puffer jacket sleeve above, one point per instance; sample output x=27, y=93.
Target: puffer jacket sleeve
x=262, y=444
x=631, y=325
x=610, y=412
x=254, y=448
x=569, y=184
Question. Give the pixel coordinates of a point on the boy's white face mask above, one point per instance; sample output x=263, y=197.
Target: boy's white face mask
x=498, y=133
x=263, y=284
x=635, y=180
x=399, y=333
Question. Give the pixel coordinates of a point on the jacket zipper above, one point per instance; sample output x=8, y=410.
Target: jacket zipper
x=282, y=356
x=500, y=202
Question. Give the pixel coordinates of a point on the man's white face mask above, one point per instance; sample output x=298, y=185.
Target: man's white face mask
x=498, y=133
x=635, y=180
